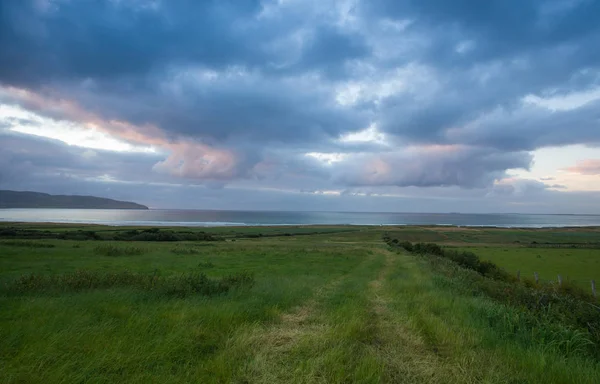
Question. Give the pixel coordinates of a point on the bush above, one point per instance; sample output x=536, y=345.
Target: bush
x=156, y=234
x=428, y=248
x=464, y=259
x=407, y=245
x=8, y=232
x=78, y=235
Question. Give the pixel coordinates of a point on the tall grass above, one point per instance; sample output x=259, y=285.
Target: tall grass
x=184, y=251
x=559, y=317
x=338, y=308
x=125, y=333
x=480, y=340
x=83, y=280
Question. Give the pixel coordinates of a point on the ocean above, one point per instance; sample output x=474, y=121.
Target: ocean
x=173, y=217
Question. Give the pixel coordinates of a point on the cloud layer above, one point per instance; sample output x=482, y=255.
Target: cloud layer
x=349, y=96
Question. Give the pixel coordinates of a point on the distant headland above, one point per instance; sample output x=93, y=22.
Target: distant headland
x=26, y=199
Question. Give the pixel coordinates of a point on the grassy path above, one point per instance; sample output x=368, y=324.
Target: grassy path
x=404, y=356
x=348, y=332
x=314, y=342
x=385, y=321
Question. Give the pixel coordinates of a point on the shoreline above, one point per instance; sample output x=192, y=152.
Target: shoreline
x=238, y=219
x=193, y=225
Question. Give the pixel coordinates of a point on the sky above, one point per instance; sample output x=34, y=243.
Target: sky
x=338, y=105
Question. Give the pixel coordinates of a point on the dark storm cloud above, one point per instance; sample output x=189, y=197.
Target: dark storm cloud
x=533, y=127
x=242, y=90
x=497, y=28
x=489, y=54
x=139, y=61
x=236, y=105
x=45, y=40
x=328, y=47
x=464, y=96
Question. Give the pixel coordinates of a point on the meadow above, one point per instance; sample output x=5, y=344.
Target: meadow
x=579, y=266
x=322, y=304
x=573, y=253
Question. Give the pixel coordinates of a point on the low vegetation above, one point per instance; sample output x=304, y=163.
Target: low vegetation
x=193, y=283
x=336, y=306
x=185, y=251
x=26, y=244
x=149, y=234
x=559, y=316
x=576, y=265
x=205, y=264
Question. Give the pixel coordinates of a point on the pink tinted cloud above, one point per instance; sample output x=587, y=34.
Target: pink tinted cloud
x=586, y=167
x=186, y=158
x=435, y=149
x=52, y=105
x=199, y=161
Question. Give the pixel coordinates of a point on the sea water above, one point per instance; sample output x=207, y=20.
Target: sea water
x=175, y=217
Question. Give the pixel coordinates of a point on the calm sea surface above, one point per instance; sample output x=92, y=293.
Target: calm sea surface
x=237, y=218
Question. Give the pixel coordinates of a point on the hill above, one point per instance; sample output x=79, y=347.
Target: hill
x=19, y=199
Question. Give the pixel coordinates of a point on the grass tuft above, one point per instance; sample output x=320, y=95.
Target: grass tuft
x=184, y=251
x=115, y=250
x=205, y=264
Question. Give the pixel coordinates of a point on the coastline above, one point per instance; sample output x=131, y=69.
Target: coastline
x=233, y=219
x=233, y=226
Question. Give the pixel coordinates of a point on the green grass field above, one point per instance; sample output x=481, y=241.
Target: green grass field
x=328, y=305
x=512, y=249
x=577, y=265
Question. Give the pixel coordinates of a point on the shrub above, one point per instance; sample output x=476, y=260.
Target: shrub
x=78, y=235
x=428, y=248
x=464, y=259
x=156, y=234
x=8, y=232
x=407, y=245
